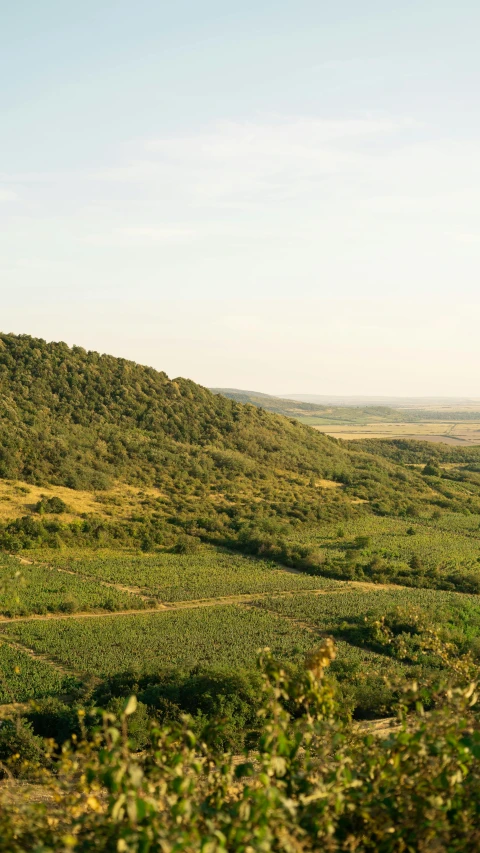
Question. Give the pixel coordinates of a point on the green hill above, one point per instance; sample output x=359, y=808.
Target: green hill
x=202, y=468
x=78, y=418
x=82, y=420
x=126, y=495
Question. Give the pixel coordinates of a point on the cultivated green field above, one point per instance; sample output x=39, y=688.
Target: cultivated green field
x=24, y=677
x=223, y=637
x=216, y=636
x=457, y=614
x=175, y=577
x=29, y=588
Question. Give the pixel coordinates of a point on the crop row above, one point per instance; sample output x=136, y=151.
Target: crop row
x=26, y=589
x=445, y=546
x=222, y=637
x=453, y=611
x=23, y=677
x=209, y=573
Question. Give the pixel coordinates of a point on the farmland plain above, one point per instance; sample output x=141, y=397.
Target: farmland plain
x=465, y=433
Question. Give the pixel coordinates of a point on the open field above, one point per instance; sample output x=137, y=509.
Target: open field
x=210, y=573
x=222, y=637
x=465, y=433
x=43, y=655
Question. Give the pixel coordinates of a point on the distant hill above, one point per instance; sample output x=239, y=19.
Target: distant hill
x=314, y=409
x=268, y=402
x=302, y=410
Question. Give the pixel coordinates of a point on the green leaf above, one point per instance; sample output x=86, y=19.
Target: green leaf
x=131, y=706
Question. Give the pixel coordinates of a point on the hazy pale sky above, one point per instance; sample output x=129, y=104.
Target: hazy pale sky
x=281, y=196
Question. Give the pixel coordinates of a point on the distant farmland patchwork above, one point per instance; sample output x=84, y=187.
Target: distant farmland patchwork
x=453, y=422
x=460, y=434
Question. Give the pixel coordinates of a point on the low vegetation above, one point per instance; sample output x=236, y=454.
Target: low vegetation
x=312, y=782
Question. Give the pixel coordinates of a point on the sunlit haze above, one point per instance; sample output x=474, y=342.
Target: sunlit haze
x=279, y=196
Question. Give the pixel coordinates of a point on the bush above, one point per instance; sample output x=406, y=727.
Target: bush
x=186, y=545
x=70, y=604
x=21, y=751
x=431, y=470
x=53, y=505
x=315, y=783
x=52, y=718
x=139, y=723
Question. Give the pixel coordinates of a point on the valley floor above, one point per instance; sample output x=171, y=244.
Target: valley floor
x=74, y=635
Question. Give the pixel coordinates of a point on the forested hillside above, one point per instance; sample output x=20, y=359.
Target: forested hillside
x=202, y=468
x=78, y=418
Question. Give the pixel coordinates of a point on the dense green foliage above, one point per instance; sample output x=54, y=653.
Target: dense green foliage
x=78, y=418
x=410, y=451
x=314, y=783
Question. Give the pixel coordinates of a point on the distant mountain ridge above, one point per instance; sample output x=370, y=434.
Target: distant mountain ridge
x=352, y=409
x=297, y=408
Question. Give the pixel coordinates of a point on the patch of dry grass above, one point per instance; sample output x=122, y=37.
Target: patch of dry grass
x=18, y=499
x=328, y=484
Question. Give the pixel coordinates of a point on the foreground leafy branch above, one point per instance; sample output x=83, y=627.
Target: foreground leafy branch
x=315, y=782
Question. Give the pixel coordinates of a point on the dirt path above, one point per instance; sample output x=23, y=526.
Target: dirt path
x=167, y=608
x=142, y=593
x=132, y=590
x=60, y=667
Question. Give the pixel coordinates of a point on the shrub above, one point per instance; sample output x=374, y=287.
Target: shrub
x=186, y=545
x=21, y=751
x=315, y=783
x=53, y=505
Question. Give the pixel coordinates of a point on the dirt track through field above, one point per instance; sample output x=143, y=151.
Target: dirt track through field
x=133, y=590
x=60, y=667
x=178, y=605
x=163, y=607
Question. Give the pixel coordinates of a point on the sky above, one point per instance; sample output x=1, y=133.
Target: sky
x=278, y=195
